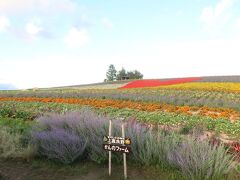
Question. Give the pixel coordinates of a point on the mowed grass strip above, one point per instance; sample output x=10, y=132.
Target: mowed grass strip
x=143, y=106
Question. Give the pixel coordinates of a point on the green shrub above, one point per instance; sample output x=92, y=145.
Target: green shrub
x=9, y=110
x=185, y=130
x=16, y=125
x=11, y=146
x=6, y=112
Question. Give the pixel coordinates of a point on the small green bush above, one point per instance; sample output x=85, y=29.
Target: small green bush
x=16, y=125
x=11, y=146
x=14, y=112
x=6, y=112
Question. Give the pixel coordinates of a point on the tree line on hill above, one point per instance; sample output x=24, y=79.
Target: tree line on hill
x=113, y=75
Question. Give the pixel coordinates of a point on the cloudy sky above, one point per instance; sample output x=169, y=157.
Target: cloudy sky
x=46, y=43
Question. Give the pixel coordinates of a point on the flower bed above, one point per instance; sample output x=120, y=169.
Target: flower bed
x=143, y=106
x=154, y=83
x=206, y=86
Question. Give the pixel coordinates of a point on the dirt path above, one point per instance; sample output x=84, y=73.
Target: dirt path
x=19, y=170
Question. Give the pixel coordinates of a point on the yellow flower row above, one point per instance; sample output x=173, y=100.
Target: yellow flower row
x=205, y=86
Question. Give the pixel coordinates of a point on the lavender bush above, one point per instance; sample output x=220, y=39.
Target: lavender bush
x=149, y=146
x=85, y=124
x=66, y=137
x=95, y=127
x=59, y=144
x=200, y=160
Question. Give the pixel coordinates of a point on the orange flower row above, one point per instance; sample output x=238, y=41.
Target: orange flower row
x=143, y=106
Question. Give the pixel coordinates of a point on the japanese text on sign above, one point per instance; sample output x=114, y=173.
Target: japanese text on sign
x=117, y=144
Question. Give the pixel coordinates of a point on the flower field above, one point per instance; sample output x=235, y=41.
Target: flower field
x=171, y=117
x=150, y=107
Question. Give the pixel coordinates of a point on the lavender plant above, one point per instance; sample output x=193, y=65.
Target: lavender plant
x=59, y=144
x=84, y=123
x=95, y=127
x=150, y=147
x=199, y=160
x=63, y=138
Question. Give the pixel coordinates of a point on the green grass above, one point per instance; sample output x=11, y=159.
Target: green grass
x=16, y=125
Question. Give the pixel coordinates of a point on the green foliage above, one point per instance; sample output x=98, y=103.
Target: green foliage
x=16, y=125
x=11, y=112
x=111, y=73
x=134, y=75
x=185, y=130
x=11, y=145
x=6, y=112
x=122, y=75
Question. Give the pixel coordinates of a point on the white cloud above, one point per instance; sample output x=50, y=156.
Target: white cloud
x=107, y=23
x=76, y=38
x=212, y=14
x=33, y=29
x=46, y=6
x=4, y=23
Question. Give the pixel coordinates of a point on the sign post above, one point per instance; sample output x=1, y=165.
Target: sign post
x=110, y=153
x=117, y=144
x=124, y=155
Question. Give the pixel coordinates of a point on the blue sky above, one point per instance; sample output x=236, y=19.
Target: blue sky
x=46, y=43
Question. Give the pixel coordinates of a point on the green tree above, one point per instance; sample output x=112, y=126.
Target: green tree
x=111, y=73
x=134, y=75
x=122, y=74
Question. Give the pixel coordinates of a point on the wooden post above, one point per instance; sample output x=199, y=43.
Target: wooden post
x=110, y=153
x=124, y=155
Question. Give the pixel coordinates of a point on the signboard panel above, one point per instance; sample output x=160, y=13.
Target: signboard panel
x=117, y=140
x=117, y=148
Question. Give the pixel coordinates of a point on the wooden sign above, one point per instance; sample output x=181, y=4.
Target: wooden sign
x=117, y=144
